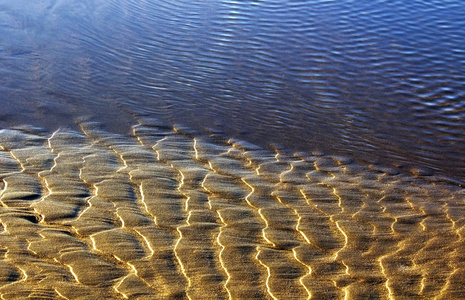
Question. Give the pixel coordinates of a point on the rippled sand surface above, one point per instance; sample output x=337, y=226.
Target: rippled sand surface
x=169, y=214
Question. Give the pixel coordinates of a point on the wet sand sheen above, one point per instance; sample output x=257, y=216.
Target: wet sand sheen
x=169, y=214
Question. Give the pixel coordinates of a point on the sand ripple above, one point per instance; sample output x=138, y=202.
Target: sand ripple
x=166, y=214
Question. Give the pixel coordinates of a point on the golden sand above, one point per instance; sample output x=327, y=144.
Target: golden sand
x=166, y=214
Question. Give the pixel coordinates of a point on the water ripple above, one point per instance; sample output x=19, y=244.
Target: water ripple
x=380, y=80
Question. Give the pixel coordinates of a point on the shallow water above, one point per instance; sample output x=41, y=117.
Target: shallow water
x=165, y=214
x=383, y=81
x=343, y=177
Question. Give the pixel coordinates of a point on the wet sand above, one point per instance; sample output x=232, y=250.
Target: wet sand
x=166, y=214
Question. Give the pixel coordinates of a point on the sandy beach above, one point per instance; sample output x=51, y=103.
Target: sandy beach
x=165, y=214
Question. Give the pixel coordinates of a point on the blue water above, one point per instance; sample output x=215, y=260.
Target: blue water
x=382, y=81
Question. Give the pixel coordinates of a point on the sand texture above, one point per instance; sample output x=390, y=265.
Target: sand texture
x=166, y=214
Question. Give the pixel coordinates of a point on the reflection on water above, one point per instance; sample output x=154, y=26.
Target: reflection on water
x=379, y=80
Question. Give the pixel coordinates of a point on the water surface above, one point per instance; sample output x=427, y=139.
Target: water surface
x=382, y=80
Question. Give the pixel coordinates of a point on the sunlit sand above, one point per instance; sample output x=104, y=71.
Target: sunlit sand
x=166, y=214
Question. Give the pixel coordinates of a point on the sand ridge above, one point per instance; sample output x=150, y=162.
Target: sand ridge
x=166, y=213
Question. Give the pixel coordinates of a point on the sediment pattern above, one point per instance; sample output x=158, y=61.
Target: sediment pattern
x=167, y=214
